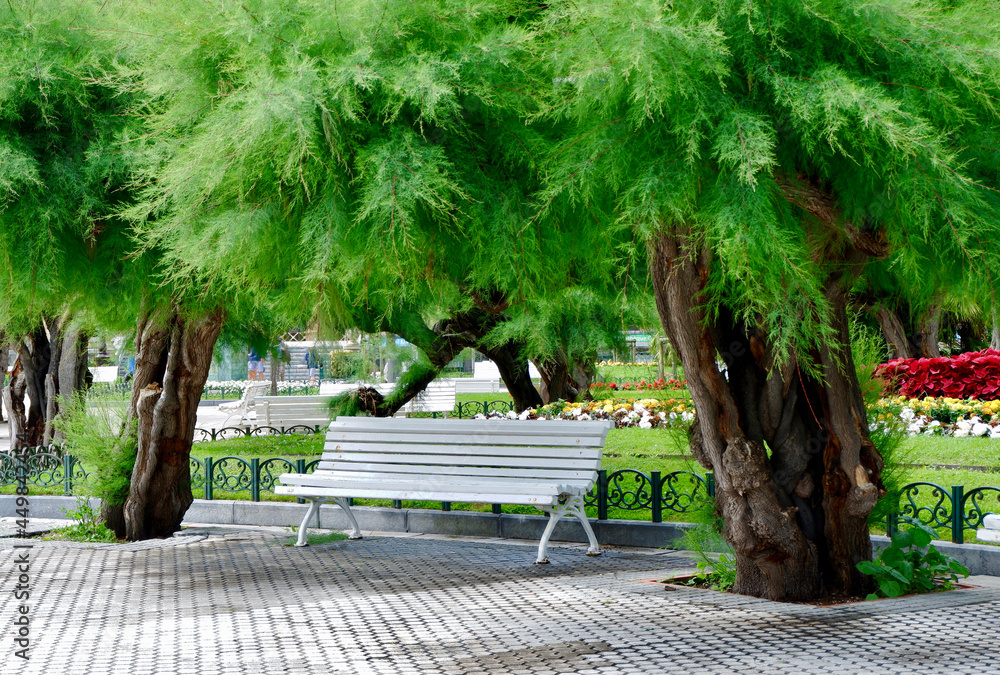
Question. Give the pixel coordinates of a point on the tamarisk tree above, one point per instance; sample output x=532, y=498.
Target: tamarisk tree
x=769, y=154
x=362, y=165
x=60, y=177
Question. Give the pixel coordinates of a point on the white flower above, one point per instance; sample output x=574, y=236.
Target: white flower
x=662, y=415
x=525, y=415
x=907, y=414
x=935, y=423
x=687, y=416
x=639, y=408
x=479, y=416
x=959, y=433
x=673, y=415
x=584, y=417
x=645, y=423
x=980, y=429
x=512, y=415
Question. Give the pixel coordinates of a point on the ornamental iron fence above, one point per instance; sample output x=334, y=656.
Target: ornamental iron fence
x=954, y=510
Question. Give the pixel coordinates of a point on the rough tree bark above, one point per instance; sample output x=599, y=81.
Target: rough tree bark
x=34, y=355
x=13, y=399
x=565, y=379
x=4, y=364
x=514, y=372
x=442, y=342
x=172, y=363
x=911, y=334
x=797, y=517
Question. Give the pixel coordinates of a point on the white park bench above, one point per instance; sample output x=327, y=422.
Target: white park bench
x=550, y=465
x=290, y=411
x=437, y=397
x=472, y=385
x=246, y=404
x=990, y=531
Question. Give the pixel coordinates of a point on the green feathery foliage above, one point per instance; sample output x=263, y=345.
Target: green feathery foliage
x=714, y=114
x=63, y=171
x=353, y=162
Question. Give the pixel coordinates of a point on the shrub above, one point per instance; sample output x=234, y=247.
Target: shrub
x=902, y=567
x=969, y=375
x=93, y=427
x=87, y=528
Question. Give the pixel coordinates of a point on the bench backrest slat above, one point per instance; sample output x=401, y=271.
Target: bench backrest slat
x=556, y=463
x=348, y=448
x=561, y=472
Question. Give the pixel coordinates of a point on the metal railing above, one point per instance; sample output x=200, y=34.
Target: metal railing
x=954, y=510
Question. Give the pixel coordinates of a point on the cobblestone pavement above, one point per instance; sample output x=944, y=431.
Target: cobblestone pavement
x=226, y=601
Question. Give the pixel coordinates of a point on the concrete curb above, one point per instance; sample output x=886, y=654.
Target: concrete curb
x=978, y=558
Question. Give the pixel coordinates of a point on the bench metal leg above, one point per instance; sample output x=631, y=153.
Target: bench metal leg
x=314, y=505
x=342, y=503
x=572, y=507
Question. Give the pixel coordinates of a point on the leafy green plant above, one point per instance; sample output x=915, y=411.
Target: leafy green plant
x=715, y=574
x=93, y=427
x=903, y=567
x=88, y=527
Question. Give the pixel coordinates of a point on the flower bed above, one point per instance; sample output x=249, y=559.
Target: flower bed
x=973, y=375
x=643, y=413
x=598, y=389
x=943, y=416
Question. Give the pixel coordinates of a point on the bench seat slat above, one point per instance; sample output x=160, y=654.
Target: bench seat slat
x=448, y=460
x=418, y=495
x=324, y=477
x=429, y=484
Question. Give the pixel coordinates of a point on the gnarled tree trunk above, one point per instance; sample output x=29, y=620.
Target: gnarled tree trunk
x=911, y=334
x=173, y=357
x=34, y=355
x=564, y=379
x=796, y=473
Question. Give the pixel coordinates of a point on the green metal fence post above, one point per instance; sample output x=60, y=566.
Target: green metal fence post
x=255, y=479
x=300, y=467
x=208, y=477
x=397, y=503
x=657, y=498
x=710, y=484
x=446, y=506
x=68, y=477
x=957, y=520
x=891, y=524
x=602, y=495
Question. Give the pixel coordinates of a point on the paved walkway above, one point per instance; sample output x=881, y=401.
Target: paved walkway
x=236, y=600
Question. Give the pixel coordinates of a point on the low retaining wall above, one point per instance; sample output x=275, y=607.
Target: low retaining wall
x=979, y=558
